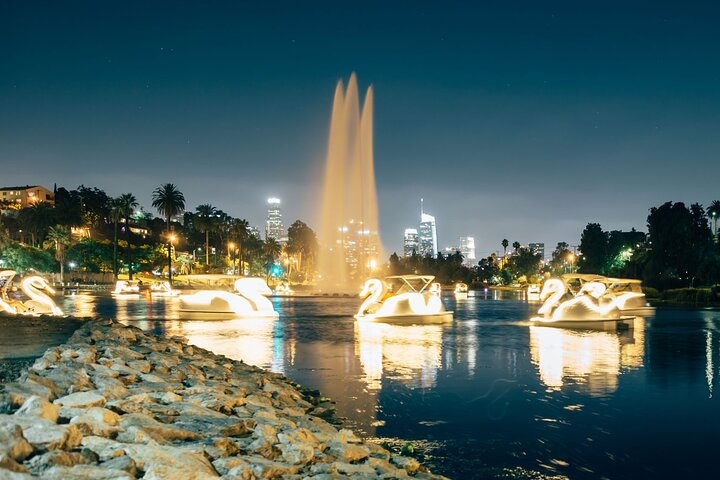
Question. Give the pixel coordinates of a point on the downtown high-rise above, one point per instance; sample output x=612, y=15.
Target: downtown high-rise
x=427, y=233
x=274, y=224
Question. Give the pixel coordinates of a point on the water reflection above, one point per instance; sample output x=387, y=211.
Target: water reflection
x=410, y=353
x=592, y=360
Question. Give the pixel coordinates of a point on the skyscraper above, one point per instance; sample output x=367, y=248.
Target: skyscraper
x=427, y=233
x=410, y=244
x=537, y=249
x=274, y=226
x=467, y=249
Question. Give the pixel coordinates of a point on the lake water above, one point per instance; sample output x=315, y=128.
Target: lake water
x=488, y=396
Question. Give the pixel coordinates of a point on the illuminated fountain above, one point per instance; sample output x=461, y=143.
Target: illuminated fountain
x=36, y=289
x=349, y=239
x=402, y=299
x=249, y=299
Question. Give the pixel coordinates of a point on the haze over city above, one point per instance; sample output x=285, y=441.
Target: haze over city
x=513, y=120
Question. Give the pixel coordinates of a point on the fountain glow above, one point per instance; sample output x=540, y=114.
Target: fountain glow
x=349, y=239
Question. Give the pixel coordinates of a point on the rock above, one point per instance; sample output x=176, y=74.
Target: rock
x=104, y=448
x=352, y=469
x=7, y=463
x=219, y=447
x=85, y=472
x=13, y=443
x=10, y=475
x=142, y=366
x=15, y=394
x=69, y=378
x=39, y=407
x=169, y=462
x=157, y=429
x=170, y=397
x=348, y=436
x=263, y=468
x=82, y=400
x=110, y=387
x=123, y=463
x=406, y=463
x=97, y=421
x=297, y=454
x=240, y=472
x=43, y=434
x=348, y=452
x=38, y=464
x=299, y=435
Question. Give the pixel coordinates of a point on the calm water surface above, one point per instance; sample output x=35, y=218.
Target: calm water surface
x=488, y=392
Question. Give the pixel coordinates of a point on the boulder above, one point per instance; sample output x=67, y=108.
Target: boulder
x=82, y=400
x=43, y=434
x=7, y=463
x=348, y=452
x=297, y=454
x=97, y=421
x=85, y=472
x=39, y=407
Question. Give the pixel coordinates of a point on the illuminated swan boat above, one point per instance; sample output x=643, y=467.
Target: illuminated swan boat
x=283, y=289
x=533, y=289
x=35, y=288
x=588, y=307
x=126, y=287
x=461, y=290
x=249, y=299
x=402, y=299
x=163, y=289
x=625, y=292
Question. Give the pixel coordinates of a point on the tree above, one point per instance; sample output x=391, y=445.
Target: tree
x=504, y=244
x=21, y=258
x=559, y=258
x=594, y=248
x=206, y=222
x=524, y=264
x=36, y=220
x=127, y=203
x=116, y=213
x=713, y=211
x=302, y=245
x=60, y=237
x=271, y=250
x=516, y=245
x=169, y=202
x=239, y=232
x=680, y=238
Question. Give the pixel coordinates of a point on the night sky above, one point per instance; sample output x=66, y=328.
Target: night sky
x=517, y=120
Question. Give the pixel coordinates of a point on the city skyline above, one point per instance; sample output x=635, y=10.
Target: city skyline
x=519, y=122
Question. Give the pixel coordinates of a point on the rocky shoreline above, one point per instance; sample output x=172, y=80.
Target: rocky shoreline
x=117, y=403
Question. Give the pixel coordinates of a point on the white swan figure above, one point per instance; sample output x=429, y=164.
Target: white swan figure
x=248, y=301
x=126, y=287
x=163, y=289
x=6, y=305
x=411, y=306
x=40, y=302
x=588, y=305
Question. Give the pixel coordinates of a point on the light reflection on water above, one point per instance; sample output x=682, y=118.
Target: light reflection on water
x=488, y=391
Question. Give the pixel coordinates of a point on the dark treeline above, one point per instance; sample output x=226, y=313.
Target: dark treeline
x=679, y=250
x=86, y=230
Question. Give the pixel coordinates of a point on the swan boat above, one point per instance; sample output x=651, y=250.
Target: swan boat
x=461, y=290
x=247, y=300
x=402, y=299
x=625, y=292
x=126, y=287
x=163, y=289
x=38, y=292
x=590, y=307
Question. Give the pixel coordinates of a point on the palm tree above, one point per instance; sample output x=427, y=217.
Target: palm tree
x=239, y=231
x=116, y=214
x=127, y=204
x=206, y=222
x=60, y=236
x=713, y=212
x=271, y=250
x=516, y=245
x=169, y=202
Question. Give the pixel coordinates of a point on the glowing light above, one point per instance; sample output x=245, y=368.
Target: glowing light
x=416, y=306
x=248, y=301
x=126, y=287
x=37, y=289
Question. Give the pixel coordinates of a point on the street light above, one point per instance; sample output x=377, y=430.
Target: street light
x=231, y=249
x=571, y=257
x=171, y=238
